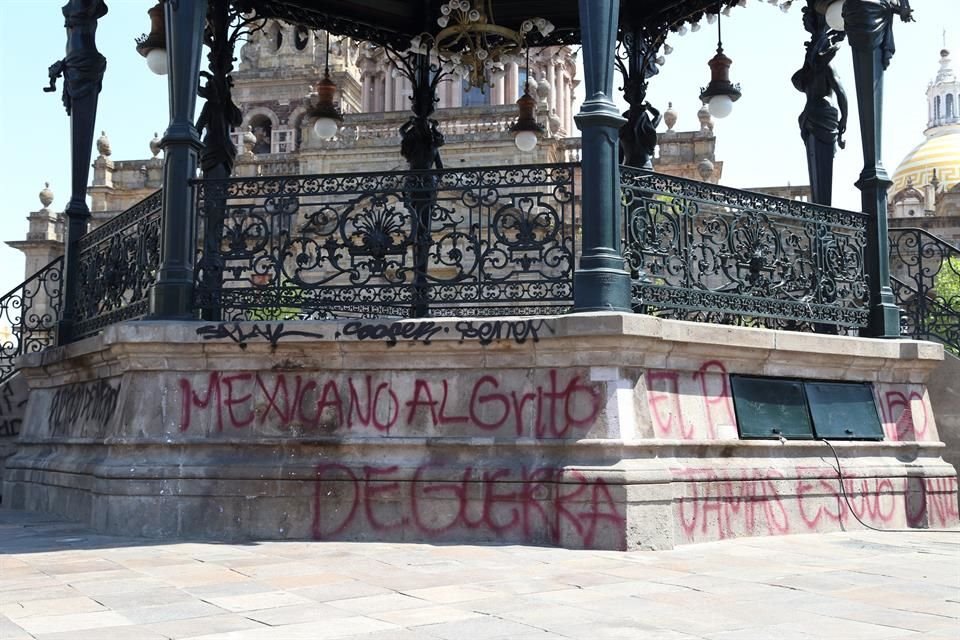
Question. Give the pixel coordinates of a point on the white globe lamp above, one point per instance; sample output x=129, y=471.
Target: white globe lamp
x=834, y=15
x=720, y=106
x=157, y=61
x=325, y=128
x=525, y=140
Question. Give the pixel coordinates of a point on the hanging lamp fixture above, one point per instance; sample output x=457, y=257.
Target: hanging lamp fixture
x=526, y=129
x=720, y=94
x=153, y=46
x=473, y=46
x=328, y=117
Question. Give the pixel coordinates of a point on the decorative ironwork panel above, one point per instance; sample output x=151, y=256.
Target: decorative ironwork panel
x=118, y=264
x=698, y=251
x=926, y=280
x=31, y=310
x=486, y=241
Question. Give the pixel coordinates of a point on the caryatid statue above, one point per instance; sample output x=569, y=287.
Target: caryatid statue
x=822, y=123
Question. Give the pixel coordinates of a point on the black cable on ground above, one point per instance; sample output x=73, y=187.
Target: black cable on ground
x=846, y=498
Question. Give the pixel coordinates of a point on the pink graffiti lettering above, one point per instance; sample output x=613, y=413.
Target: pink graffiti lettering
x=899, y=417
x=543, y=504
x=665, y=405
x=559, y=406
x=722, y=507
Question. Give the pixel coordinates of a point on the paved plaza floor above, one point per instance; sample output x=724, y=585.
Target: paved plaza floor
x=60, y=581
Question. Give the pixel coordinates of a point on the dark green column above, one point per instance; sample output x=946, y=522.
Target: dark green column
x=869, y=25
x=600, y=283
x=172, y=295
x=82, y=70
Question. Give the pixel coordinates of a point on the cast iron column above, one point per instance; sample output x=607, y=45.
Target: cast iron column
x=218, y=115
x=82, y=70
x=600, y=283
x=420, y=145
x=172, y=295
x=869, y=26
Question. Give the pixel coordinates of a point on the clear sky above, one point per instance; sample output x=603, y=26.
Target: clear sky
x=759, y=143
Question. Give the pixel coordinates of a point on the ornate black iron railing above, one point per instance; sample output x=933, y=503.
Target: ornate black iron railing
x=484, y=241
x=31, y=310
x=926, y=281
x=699, y=251
x=491, y=241
x=117, y=264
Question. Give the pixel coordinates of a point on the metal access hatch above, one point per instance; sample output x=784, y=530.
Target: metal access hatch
x=843, y=411
x=805, y=409
x=770, y=408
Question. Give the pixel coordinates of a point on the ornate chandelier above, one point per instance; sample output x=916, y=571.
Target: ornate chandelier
x=472, y=46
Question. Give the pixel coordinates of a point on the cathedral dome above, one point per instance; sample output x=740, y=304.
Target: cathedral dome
x=940, y=153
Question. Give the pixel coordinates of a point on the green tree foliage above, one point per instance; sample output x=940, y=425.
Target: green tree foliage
x=946, y=309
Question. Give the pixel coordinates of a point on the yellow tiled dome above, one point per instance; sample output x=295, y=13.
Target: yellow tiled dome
x=940, y=152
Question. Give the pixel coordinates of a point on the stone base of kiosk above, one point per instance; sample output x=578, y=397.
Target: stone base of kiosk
x=601, y=431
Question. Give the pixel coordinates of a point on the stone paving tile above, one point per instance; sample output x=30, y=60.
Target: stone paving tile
x=142, y=598
x=779, y=632
x=37, y=625
x=108, y=587
x=221, y=590
x=452, y=593
x=163, y=613
x=425, y=615
x=554, y=618
x=380, y=603
x=313, y=612
x=906, y=620
x=533, y=635
x=195, y=574
x=191, y=627
x=622, y=629
x=257, y=601
x=842, y=629
x=527, y=585
x=477, y=629
x=9, y=629
x=50, y=607
x=27, y=582
x=336, y=628
x=391, y=634
x=44, y=593
x=646, y=588
x=78, y=577
x=497, y=606
x=305, y=580
x=932, y=635
x=60, y=567
x=103, y=633
x=340, y=591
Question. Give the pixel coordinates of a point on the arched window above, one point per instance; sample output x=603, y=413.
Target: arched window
x=263, y=130
x=301, y=37
x=275, y=35
x=936, y=108
x=949, y=102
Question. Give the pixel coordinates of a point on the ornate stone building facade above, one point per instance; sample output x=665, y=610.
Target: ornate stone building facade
x=926, y=184
x=274, y=89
